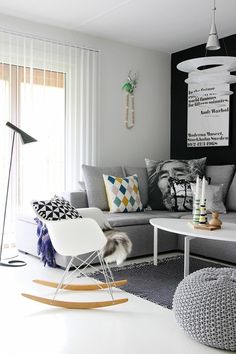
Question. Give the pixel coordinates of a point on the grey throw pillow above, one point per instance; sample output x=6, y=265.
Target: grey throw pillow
x=221, y=175
x=231, y=197
x=214, y=197
x=161, y=173
x=141, y=172
x=95, y=187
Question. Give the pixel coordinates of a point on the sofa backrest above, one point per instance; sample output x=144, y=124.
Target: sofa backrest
x=95, y=187
x=231, y=196
x=95, y=194
x=77, y=199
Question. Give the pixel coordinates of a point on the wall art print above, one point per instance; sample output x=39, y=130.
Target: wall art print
x=208, y=116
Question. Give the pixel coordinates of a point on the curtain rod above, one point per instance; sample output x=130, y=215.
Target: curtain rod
x=66, y=44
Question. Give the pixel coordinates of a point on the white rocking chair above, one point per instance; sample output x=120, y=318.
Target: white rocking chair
x=75, y=237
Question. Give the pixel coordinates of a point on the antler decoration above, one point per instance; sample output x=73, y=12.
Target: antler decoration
x=129, y=87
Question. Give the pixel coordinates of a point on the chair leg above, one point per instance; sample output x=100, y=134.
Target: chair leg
x=110, y=272
x=105, y=274
x=85, y=263
x=63, y=277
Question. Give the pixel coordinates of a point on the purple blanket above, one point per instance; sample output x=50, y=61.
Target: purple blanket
x=44, y=247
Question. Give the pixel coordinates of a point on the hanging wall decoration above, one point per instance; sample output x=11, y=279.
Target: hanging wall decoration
x=129, y=87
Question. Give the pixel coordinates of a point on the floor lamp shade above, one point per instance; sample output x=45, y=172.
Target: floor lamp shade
x=26, y=139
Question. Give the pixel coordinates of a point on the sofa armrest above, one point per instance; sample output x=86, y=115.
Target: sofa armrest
x=97, y=215
x=77, y=199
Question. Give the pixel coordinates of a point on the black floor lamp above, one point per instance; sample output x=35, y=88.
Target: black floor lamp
x=26, y=139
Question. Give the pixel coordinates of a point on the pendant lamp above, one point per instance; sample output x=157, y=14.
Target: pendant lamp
x=217, y=69
x=213, y=42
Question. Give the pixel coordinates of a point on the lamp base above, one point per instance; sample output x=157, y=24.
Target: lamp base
x=13, y=263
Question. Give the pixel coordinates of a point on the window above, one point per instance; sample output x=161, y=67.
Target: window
x=49, y=89
x=34, y=99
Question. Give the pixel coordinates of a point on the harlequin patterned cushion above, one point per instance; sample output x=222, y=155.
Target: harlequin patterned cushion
x=56, y=208
x=123, y=194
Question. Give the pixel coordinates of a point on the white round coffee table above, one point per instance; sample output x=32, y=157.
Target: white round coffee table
x=184, y=227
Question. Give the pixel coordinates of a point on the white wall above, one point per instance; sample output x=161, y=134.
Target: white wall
x=150, y=136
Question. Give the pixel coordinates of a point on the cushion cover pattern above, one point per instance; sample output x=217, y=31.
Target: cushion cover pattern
x=141, y=172
x=161, y=194
x=181, y=193
x=204, y=305
x=123, y=194
x=55, y=209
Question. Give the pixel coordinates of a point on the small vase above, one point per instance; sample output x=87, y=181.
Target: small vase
x=215, y=221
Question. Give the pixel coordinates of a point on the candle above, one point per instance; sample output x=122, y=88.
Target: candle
x=203, y=197
x=197, y=188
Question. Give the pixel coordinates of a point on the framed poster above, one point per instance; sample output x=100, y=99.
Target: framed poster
x=208, y=116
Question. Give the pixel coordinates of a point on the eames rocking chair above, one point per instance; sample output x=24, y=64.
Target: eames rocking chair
x=76, y=237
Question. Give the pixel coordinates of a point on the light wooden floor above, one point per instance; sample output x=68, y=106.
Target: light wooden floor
x=137, y=327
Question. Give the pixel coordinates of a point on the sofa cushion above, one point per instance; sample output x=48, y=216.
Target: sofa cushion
x=95, y=187
x=221, y=174
x=214, y=197
x=159, y=174
x=141, y=172
x=141, y=218
x=56, y=208
x=231, y=196
x=123, y=194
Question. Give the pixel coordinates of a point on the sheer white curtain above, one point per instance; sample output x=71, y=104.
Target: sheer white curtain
x=82, y=113
x=49, y=90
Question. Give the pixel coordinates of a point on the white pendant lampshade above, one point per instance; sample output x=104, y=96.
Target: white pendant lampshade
x=218, y=74
x=213, y=42
x=213, y=70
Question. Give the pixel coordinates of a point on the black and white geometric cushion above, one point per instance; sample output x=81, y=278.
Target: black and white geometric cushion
x=54, y=209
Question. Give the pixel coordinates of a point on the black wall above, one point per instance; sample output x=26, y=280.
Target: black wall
x=179, y=89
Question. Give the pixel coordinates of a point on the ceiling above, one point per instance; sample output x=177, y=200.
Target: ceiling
x=166, y=25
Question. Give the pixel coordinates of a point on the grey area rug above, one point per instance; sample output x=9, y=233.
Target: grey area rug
x=156, y=283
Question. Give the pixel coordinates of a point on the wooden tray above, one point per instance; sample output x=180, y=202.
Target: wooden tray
x=205, y=227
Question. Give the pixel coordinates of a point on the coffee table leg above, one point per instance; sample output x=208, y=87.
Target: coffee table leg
x=155, y=246
x=187, y=240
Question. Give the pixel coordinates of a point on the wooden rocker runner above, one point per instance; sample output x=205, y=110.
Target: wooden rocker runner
x=80, y=287
x=75, y=305
x=70, y=238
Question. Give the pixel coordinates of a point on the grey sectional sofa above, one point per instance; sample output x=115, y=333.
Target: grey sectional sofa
x=136, y=224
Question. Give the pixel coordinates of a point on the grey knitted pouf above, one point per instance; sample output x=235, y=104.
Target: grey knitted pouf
x=205, y=307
